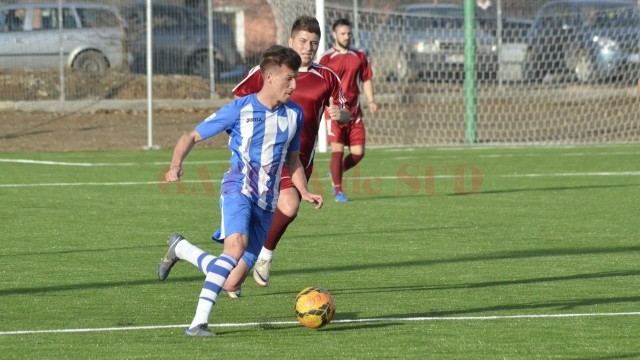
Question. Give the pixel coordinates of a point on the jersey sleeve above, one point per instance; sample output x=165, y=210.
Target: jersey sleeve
x=251, y=84
x=294, y=145
x=224, y=119
x=336, y=90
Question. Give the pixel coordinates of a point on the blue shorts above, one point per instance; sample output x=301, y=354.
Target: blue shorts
x=241, y=215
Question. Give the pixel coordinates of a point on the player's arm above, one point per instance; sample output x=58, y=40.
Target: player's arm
x=180, y=152
x=299, y=179
x=367, y=87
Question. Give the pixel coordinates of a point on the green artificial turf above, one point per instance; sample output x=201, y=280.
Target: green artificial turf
x=444, y=253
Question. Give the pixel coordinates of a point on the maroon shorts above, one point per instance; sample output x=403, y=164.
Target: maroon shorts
x=350, y=134
x=286, y=183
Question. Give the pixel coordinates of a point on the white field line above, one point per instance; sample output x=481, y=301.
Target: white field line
x=130, y=183
x=342, y=321
x=63, y=163
x=161, y=163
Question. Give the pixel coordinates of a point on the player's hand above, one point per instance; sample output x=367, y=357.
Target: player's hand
x=373, y=107
x=174, y=173
x=333, y=110
x=314, y=199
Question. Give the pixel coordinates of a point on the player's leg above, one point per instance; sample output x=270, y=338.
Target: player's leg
x=181, y=249
x=336, y=170
x=259, y=226
x=233, y=285
x=336, y=136
x=217, y=274
x=286, y=212
x=236, y=219
x=357, y=140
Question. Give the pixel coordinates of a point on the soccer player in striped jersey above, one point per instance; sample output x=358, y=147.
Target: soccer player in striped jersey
x=264, y=130
x=318, y=88
x=353, y=68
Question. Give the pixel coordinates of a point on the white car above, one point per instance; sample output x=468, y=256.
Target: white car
x=93, y=36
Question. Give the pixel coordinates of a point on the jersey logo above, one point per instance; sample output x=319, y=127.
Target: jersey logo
x=252, y=120
x=283, y=123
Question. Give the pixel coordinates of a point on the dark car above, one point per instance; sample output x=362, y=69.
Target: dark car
x=181, y=43
x=427, y=41
x=584, y=40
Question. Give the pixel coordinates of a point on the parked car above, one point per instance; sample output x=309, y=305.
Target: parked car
x=181, y=43
x=584, y=40
x=427, y=41
x=93, y=36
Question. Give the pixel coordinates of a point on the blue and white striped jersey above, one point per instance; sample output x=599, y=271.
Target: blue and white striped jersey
x=259, y=141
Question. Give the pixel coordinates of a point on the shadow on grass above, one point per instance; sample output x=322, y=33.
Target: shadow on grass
x=378, y=267
x=508, y=255
x=614, y=357
x=421, y=194
x=561, y=305
x=555, y=188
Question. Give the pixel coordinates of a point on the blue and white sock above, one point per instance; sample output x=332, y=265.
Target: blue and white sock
x=188, y=252
x=217, y=273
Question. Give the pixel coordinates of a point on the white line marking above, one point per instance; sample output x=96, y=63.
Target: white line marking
x=342, y=321
x=64, y=163
x=430, y=156
x=129, y=183
x=622, y=173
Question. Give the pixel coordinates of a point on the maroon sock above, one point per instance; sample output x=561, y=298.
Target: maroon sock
x=279, y=225
x=351, y=160
x=336, y=171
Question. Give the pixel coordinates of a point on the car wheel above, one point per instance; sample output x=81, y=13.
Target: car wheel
x=581, y=66
x=199, y=66
x=402, y=70
x=91, y=61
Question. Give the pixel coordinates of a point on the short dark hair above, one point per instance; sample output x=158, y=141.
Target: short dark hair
x=279, y=55
x=341, y=22
x=306, y=23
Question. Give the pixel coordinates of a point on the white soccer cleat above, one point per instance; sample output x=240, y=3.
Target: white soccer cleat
x=234, y=294
x=262, y=272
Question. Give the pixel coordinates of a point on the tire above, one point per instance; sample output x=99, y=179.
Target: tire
x=581, y=67
x=91, y=61
x=402, y=70
x=199, y=66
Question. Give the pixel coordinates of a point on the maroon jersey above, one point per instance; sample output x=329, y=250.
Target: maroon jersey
x=352, y=66
x=314, y=86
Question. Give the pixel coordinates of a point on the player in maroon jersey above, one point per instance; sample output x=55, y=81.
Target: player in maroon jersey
x=353, y=68
x=318, y=88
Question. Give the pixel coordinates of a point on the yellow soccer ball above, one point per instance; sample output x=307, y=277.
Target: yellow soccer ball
x=314, y=307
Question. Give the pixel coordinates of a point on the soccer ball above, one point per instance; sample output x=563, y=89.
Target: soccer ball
x=314, y=307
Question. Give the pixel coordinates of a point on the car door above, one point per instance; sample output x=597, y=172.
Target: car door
x=169, y=40
x=44, y=36
x=14, y=51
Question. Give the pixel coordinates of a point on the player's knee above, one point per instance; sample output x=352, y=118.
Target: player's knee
x=357, y=157
x=289, y=202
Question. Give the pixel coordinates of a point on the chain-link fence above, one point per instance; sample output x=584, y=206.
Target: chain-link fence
x=546, y=72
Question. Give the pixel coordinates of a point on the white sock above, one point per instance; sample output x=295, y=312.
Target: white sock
x=216, y=277
x=266, y=254
x=188, y=252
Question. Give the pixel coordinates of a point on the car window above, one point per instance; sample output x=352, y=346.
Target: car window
x=12, y=19
x=46, y=18
x=436, y=18
x=609, y=16
x=195, y=19
x=557, y=16
x=165, y=18
x=97, y=18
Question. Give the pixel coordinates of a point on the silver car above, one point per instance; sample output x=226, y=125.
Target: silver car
x=93, y=36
